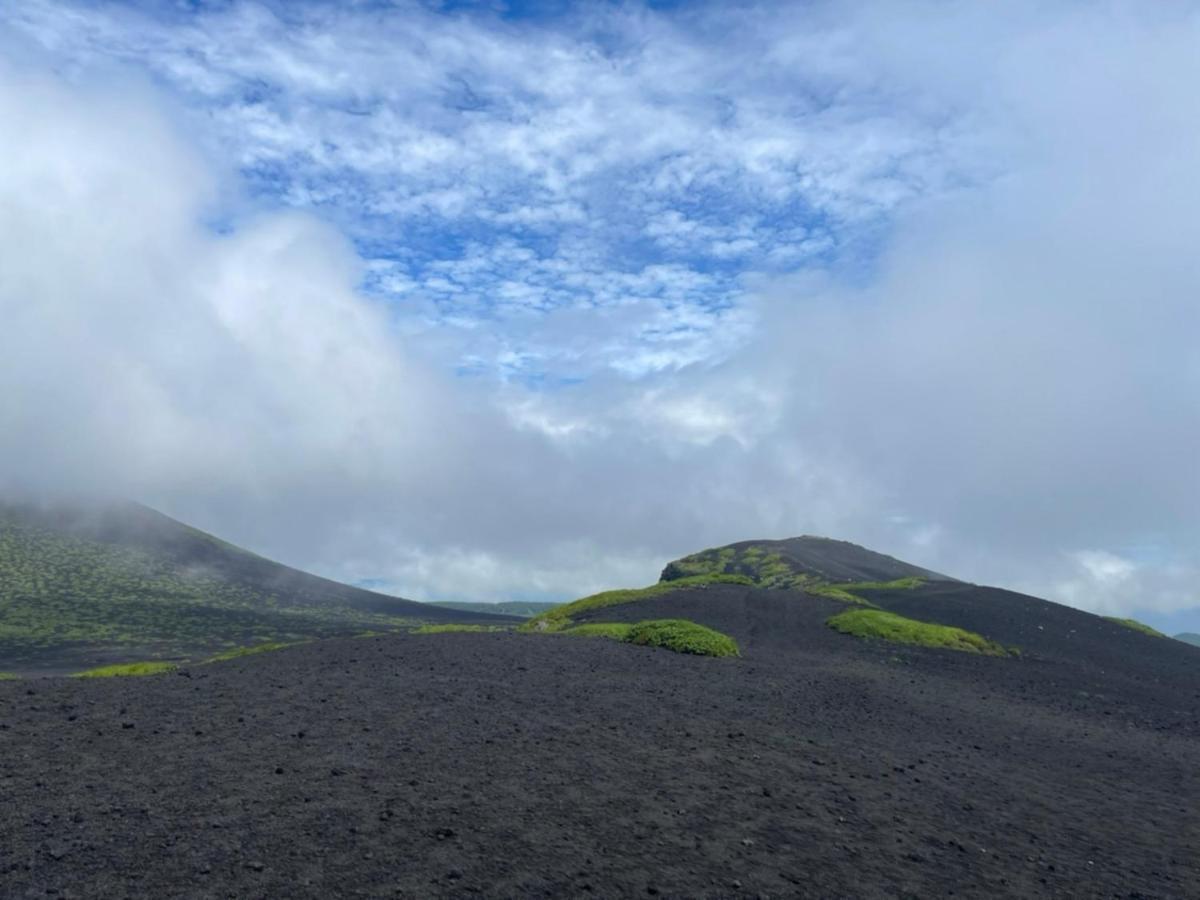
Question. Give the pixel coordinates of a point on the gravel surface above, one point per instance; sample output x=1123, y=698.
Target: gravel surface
x=515, y=765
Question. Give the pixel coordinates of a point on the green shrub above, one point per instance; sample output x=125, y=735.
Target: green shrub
x=559, y=618
x=265, y=647
x=1137, y=626
x=682, y=636
x=617, y=631
x=876, y=623
x=125, y=669
x=446, y=629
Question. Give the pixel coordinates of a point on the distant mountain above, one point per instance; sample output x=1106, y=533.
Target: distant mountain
x=797, y=562
x=80, y=585
x=521, y=608
x=1189, y=638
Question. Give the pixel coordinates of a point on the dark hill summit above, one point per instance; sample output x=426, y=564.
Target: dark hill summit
x=795, y=562
x=82, y=585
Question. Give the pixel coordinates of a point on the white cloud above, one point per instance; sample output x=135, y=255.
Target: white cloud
x=1010, y=376
x=573, y=137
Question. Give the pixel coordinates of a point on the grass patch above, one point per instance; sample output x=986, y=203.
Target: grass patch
x=125, y=669
x=559, y=618
x=1136, y=626
x=9, y=676
x=900, y=584
x=617, y=631
x=878, y=624
x=266, y=647
x=682, y=636
x=446, y=629
x=768, y=569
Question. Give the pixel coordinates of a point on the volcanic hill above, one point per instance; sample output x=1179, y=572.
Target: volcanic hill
x=81, y=585
x=1054, y=757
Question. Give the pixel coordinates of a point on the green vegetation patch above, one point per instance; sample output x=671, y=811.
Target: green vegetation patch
x=9, y=676
x=126, y=669
x=1136, y=626
x=768, y=569
x=560, y=617
x=446, y=629
x=265, y=647
x=876, y=623
x=617, y=631
x=682, y=636
x=763, y=567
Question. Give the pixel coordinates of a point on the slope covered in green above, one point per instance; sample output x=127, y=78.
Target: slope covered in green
x=800, y=563
x=1136, y=626
x=562, y=617
x=82, y=585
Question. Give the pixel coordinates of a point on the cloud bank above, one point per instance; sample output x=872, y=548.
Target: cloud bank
x=548, y=315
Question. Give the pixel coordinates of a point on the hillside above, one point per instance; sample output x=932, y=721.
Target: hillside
x=80, y=586
x=549, y=764
x=797, y=562
x=1189, y=638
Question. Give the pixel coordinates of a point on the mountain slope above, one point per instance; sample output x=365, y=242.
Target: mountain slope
x=522, y=765
x=797, y=562
x=1189, y=638
x=84, y=585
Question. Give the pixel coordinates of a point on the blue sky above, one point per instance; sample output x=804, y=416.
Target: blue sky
x=493, y=163
x=526, y=299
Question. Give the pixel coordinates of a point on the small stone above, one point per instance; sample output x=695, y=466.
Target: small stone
x=255, y=866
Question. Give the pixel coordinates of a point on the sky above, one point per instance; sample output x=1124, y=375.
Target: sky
x=523, y=300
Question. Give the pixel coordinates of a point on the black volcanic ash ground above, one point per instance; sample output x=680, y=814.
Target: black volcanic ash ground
x=525, y=765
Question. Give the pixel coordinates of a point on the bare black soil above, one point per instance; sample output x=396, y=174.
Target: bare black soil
x=546, y=765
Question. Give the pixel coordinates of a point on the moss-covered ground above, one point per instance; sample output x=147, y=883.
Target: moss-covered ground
x=682, y=636
x=679, y=635
x=452, y=628
x=617, y=631
x=761, y=566
x=561, y=617
x=881, y=625
x=265, y=647
x=1136, y=626
x=127, y=669
x=768, y=569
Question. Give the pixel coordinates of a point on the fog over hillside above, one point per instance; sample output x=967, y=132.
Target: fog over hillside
x=476, y=306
